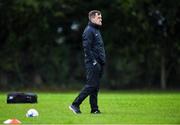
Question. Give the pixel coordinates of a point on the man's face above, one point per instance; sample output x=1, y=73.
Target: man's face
x=97, y=19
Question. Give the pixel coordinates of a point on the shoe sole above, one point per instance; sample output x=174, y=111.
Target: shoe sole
x=72, y=110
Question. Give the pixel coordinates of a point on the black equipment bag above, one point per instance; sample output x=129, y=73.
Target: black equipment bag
x=20, y=97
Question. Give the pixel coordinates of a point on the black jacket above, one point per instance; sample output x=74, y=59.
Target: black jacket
x=93, y=45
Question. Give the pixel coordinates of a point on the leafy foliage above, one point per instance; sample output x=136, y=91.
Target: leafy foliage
x=40, y=42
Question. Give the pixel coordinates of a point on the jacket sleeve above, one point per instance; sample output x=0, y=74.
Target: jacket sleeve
x=87, y=45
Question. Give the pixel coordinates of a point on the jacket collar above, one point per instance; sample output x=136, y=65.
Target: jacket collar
x=94, y=25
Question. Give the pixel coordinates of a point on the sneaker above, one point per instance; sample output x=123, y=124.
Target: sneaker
x=95, y=112
x=75, y=109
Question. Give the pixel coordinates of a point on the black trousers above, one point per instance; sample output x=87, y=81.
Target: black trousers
x=91, y=89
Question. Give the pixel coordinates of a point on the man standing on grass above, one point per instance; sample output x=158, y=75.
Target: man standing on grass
x=94, y=62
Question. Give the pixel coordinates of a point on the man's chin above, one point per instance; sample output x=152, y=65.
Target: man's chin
x=100, y=24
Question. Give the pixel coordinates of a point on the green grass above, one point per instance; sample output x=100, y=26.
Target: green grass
x=116, y=107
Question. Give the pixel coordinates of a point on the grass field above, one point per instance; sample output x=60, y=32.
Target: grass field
x=116, y=107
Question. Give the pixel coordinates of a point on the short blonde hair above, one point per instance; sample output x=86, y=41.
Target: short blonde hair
x=92, y=13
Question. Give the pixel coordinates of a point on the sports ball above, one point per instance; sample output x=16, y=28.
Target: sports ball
x=32, y=113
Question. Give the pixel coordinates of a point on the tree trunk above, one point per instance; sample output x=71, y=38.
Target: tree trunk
x=163, y=72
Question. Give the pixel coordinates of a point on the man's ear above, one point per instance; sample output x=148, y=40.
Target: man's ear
x=92, y=20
